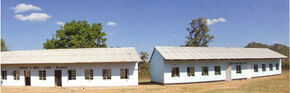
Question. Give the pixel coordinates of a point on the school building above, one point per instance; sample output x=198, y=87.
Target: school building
x=70, y=67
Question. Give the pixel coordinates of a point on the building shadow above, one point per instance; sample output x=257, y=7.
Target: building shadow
x=149, y=83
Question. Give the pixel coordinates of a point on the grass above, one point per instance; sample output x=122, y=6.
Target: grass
x=279, y=84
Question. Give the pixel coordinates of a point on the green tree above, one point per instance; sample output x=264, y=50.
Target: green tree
x=143, y=67
x=198, y=33
x=143, y=55
x=3, y=45
x=77, y=35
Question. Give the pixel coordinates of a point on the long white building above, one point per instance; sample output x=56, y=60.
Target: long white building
x=201, y=64
x=70, y=67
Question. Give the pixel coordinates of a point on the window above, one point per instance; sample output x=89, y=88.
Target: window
x=175, y=72
x=16, y=74
x=271, y=67
x=238, y=69
x=190, y=71
x=255, y=68
x=106, y=74
x=124, y=73
x=204, y=71
x=217, y=70
x=71, y=74
x=4, y=75
x=263, y=67
x=89, y=74
x=42, y=74
x=277, y=66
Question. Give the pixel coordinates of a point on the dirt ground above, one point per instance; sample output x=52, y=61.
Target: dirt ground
x=270, y=84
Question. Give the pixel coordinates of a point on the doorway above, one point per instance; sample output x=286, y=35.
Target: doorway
x=228, y=73
x=57, y=76
x=27, y=75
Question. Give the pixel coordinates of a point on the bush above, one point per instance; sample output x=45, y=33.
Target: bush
x=285, y=65
x=144, y=70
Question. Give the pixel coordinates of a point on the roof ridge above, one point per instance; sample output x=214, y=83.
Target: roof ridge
x=66, y=49
x=205, y=47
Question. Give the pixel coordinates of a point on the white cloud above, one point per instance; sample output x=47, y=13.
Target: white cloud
x=33, y=17
x=60, y=23
x=111, y=23
x=213, y=21
x=24, y=7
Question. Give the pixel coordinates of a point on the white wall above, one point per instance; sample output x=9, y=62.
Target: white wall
x=49, y=82
x=243, y=74
x=267, y=72
x=80, y=79
x=10, y=80
x=183, y=78
x=156, y=67
x=98, y=78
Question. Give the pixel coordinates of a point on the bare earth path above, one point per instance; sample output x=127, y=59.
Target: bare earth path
x=271, y=84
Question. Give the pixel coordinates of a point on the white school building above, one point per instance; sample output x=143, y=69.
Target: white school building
x=70, y=67
x=202, y=64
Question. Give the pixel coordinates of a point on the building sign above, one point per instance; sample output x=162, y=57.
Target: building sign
x=42, y=67
x=35, y=67
x=60, y=67
x=235, y=63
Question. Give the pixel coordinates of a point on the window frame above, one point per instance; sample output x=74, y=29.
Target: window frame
x=271, y=67
x=124, y=73
x=263, y=67
x=256, y=68
x=204, y=70
x=175, y=72
x=238, y=69
x=190, y=71
x=42, y=74
x=217, y=70
x=89, y=74
x=4, y=75
x=72, y=74
x=107, y=74
x=16, y=75
x=277, y=66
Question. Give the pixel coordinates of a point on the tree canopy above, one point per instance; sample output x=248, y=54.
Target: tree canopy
x=3, y=45
x=78, y=34
x=143, y=55
x=198, y=33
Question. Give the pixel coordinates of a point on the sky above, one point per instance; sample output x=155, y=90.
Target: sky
x=144, y=24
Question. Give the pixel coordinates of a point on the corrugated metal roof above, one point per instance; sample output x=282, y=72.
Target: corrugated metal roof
x=81, y=55
x=208, y=53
